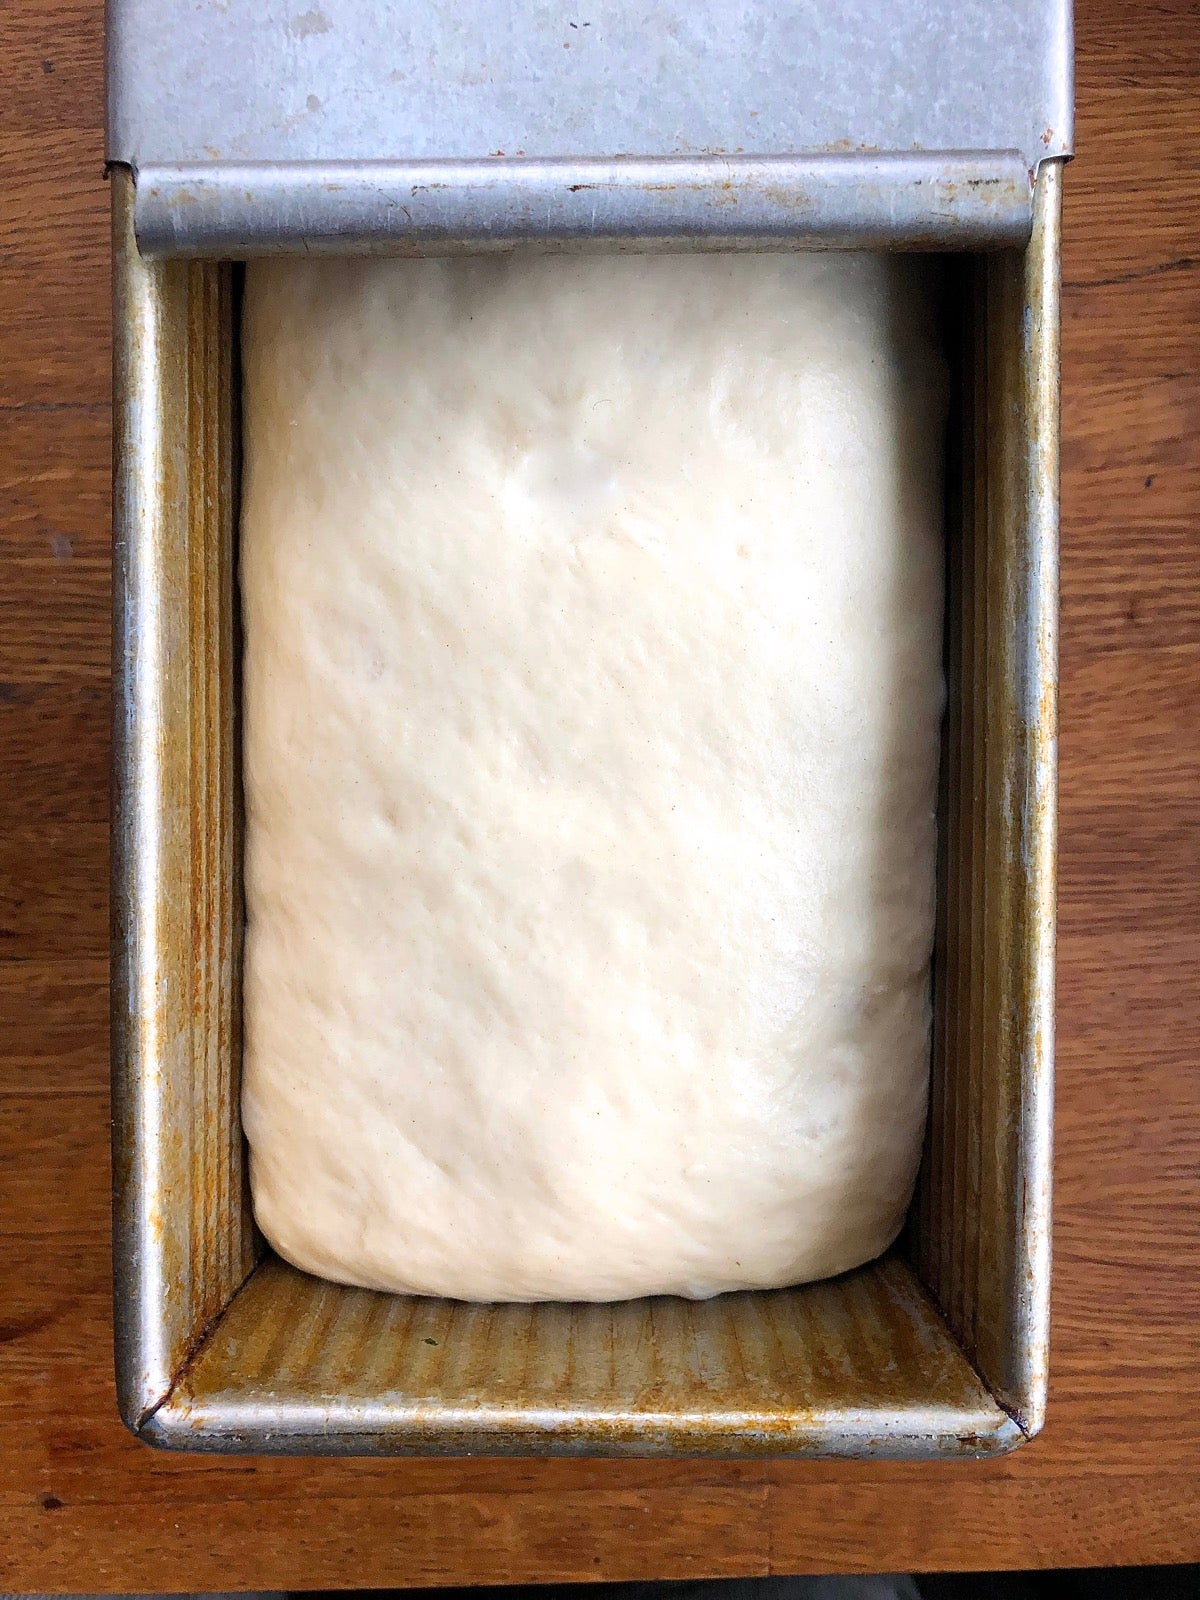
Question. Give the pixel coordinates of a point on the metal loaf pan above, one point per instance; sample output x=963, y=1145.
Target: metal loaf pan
x=939, y=1349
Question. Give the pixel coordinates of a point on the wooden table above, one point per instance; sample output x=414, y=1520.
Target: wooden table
x=1116, y=1475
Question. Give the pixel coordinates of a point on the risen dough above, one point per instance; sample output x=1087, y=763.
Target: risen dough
x=592, y=688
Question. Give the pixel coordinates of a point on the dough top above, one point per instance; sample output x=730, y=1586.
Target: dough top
x=592, y=687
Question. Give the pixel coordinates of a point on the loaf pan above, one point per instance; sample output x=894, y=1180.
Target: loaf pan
x=938, y=1349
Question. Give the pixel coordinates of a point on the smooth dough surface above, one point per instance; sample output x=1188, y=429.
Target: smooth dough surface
x=592, y=617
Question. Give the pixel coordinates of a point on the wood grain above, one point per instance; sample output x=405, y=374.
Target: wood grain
x=1116, y=1475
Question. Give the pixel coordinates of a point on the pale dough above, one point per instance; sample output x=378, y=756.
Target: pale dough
x=592, y=689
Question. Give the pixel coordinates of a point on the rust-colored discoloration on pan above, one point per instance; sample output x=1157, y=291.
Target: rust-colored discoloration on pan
x=860, y=1366
x=981, y=1238
x=183, y=1237
x=938, y=1350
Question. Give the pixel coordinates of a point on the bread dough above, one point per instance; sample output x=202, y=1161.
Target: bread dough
x=592, y=689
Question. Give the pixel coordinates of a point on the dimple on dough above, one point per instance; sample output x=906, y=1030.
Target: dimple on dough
x=592, y=619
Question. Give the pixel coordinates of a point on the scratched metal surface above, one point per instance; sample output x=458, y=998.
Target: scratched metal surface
x=292, y=81
x=357, y=126
x=861, y=1366
x=863, y=200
